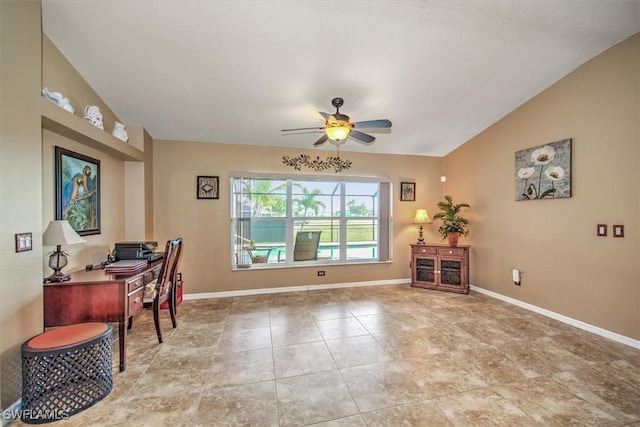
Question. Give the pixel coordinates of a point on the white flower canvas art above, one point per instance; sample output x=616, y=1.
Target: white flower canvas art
x=544, y=172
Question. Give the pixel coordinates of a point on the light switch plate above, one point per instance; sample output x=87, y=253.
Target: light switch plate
x=24, y=242
x=601, y=230
x=618, y=230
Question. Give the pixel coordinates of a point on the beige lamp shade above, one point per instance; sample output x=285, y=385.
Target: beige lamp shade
x=422, y=217
x=60, y=233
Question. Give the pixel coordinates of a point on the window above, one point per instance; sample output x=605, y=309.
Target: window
x=276, y=221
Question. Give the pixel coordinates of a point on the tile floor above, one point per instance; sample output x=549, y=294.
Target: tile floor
x=368, y=356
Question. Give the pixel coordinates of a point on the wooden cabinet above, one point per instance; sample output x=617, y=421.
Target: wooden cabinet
x=441, y=267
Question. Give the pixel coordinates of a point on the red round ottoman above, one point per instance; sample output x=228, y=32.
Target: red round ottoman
x=65, y=370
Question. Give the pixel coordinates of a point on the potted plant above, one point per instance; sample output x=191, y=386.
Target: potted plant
x=453, y=225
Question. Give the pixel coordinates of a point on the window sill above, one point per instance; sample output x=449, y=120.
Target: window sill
x=302, y=264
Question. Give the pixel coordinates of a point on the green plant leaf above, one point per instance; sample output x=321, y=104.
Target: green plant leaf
x=452, y=222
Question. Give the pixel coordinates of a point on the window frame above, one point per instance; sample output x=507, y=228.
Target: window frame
x=382, y=217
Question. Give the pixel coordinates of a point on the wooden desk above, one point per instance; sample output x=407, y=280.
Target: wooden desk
x=93, y=296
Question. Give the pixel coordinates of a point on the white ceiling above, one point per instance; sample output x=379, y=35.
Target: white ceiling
x=240, y=71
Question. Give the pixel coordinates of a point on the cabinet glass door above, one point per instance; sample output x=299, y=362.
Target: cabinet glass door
x=426, y=270
x=450, y=272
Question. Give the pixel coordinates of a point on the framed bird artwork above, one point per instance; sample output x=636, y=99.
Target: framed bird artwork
x=78, y=191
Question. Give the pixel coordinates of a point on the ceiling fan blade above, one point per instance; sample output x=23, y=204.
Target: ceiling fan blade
x=372, y=124
x=325, y=115
x=289, y=130
x=321, y=140
x=361, y=137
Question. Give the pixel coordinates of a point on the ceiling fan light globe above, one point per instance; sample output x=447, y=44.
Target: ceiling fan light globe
x=338, y=133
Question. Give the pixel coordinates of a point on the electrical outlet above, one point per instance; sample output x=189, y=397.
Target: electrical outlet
x=516, y=276
x=320, y=272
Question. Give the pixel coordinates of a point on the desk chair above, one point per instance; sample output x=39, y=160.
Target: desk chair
x=163, y=288
x=306, y=245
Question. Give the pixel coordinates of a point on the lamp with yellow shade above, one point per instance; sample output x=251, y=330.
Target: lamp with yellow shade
x=421, y=218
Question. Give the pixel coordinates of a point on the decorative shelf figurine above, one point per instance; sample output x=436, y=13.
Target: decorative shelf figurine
x=59, y=99
x=93, y=115
x=120, y=132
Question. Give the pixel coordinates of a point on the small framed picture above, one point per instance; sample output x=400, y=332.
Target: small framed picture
x=407, y=191
x=207, y=187
x=24, y=242
x=602, y=230
x=618, y=230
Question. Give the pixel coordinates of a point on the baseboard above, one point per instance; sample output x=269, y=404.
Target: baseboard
x=303, y=288
x=562, y=318
x=12, y=413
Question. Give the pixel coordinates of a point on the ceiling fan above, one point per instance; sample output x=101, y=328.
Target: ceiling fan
x=338, y=128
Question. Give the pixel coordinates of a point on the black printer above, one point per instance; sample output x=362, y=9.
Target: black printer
x=137, y=250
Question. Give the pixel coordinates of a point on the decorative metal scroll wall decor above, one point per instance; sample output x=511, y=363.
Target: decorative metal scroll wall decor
x=335, y=163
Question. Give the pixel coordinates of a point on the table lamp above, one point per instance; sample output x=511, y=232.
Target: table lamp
x=422, y=217
x=59, y=233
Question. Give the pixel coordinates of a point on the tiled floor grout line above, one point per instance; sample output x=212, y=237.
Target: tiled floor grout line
x=273, y=366
x=206, y=381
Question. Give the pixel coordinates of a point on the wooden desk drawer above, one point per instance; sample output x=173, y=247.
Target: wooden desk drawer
x=424, y=250
x=136, y=301
x=148, y=277
x=451, y=251
x=134, y=284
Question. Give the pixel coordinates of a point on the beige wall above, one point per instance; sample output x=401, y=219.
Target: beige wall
x=205, y=224
x=58, y=75
x=20, y=186
x=139, y=188
x=566, y=268
x=148, y=186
